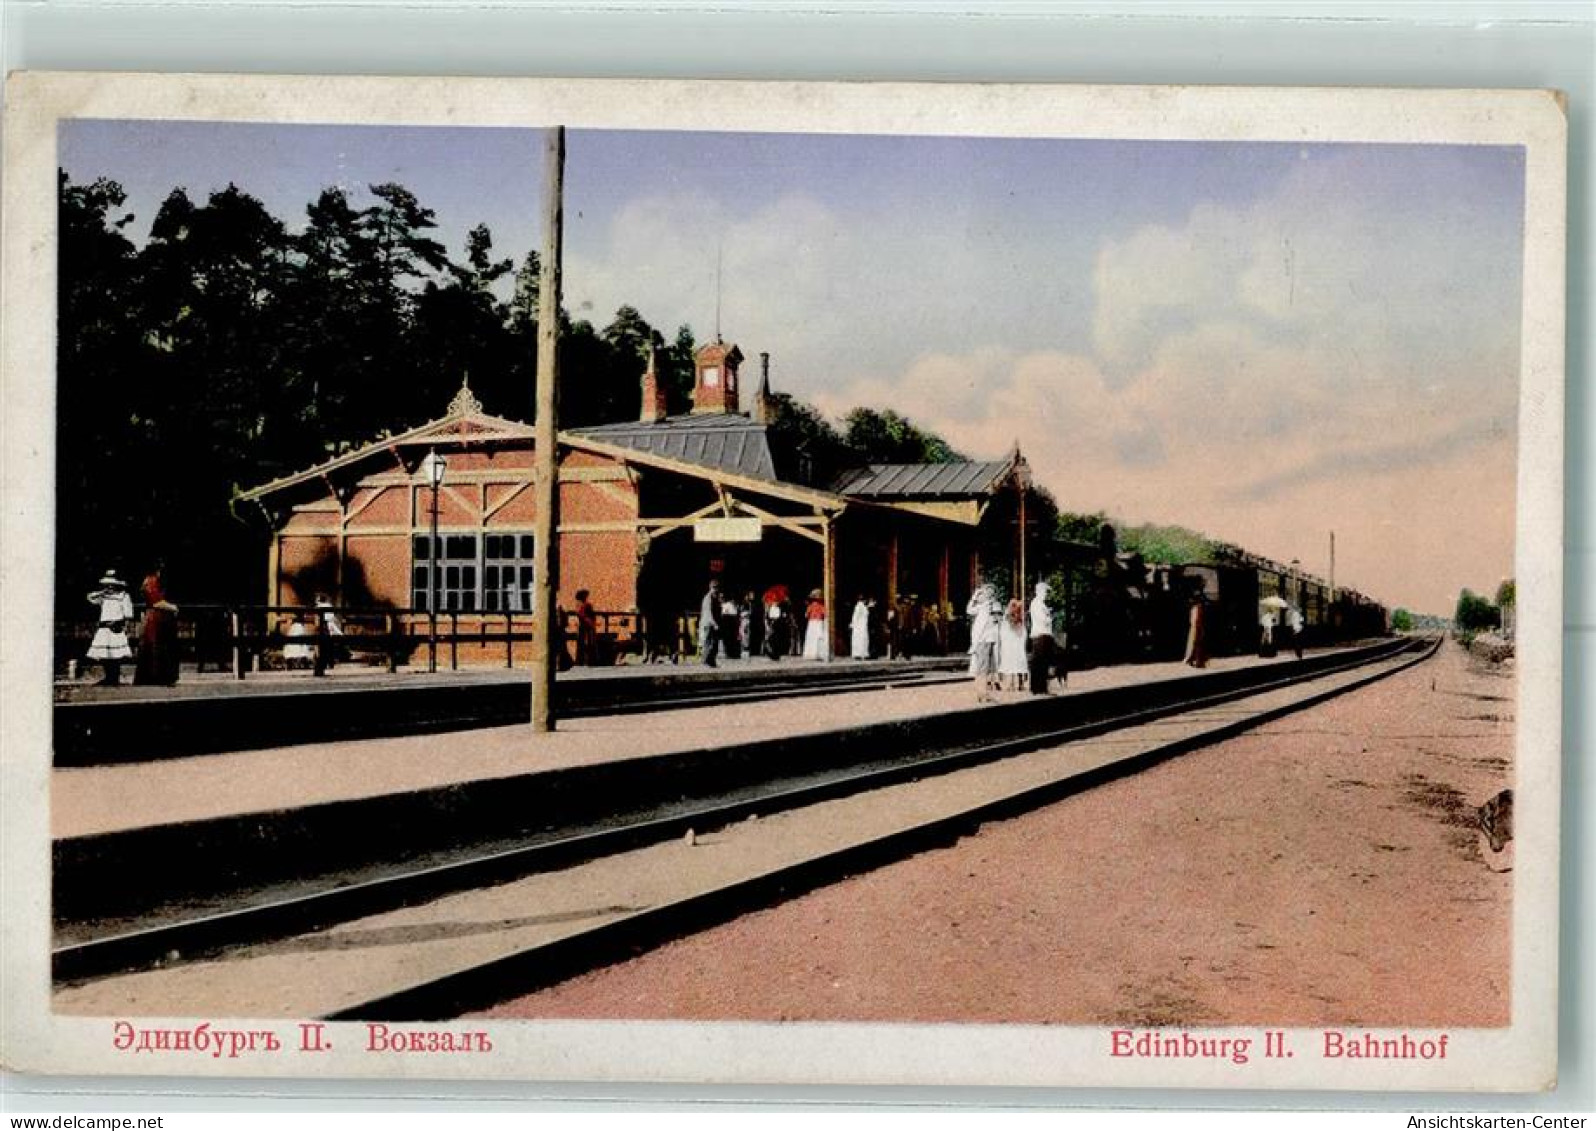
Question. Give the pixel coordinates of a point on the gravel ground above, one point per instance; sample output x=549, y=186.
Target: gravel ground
x=1322, y=870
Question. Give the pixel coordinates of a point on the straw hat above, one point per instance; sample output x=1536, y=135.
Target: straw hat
x=111, y=578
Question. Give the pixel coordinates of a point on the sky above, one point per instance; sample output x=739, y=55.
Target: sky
x=1262, y=341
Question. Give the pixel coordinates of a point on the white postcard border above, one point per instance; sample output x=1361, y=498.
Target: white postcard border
x=1520, y=1058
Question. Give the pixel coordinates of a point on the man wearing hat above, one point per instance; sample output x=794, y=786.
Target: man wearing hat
x=110, y=646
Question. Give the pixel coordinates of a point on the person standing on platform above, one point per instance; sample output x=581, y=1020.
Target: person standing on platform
x=296, y=653
x=1266, y=633
x=859, y=630
x=1294, y=629
x=816, y=645
x=1196, y=645
x=709, y=625
x=1011, y=646
x=984, y=613
x=778, y=625
x=586, y=630
x=329, y=631
x=1042, y=652
x=109, y=646
x=730, y=632
x=751, y=626
x=158, y=660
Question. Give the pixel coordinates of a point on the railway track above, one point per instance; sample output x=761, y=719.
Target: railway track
x=256, y=920
x=228, y=717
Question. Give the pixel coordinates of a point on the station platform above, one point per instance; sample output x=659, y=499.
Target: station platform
x=214, y=713
x=94, y=800
x=191, y=832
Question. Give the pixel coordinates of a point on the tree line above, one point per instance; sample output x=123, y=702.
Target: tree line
x=228, y=350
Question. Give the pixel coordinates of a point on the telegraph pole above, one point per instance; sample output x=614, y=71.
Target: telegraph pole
x=545, y=464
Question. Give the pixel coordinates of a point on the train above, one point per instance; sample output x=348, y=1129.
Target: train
x=1116, y=607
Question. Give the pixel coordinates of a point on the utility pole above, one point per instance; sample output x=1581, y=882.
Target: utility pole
x=1332, y=565
x=545, y=470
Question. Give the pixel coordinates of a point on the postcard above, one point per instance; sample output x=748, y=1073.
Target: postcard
x=752, y=582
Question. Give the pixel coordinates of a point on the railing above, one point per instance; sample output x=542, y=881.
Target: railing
x=245, y=639
x=251, y=638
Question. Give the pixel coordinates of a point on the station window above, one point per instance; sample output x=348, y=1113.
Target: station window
x=486, y=573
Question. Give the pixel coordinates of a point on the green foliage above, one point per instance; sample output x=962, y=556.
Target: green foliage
x=1168, y=545
x=882, y=436
x=807, y=447
x=228, y=351
x=1082, y=529
x=1506, y=594
x=1401, y=621
x=1474, y=614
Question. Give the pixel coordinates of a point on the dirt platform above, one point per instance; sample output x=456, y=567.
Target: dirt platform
x=1321, y=870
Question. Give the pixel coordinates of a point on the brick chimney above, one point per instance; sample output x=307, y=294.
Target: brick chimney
x=762, y=410
x=715, y=386
x=654, y=406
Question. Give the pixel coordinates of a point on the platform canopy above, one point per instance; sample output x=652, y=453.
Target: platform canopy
x=958, y=491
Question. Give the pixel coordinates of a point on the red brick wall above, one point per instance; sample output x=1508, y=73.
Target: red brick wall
x=378, y=544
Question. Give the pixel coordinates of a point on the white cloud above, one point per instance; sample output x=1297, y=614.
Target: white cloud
x=1327, y=355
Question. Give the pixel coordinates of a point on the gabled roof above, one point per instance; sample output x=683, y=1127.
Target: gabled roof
x=723, y=441
x=464, y=423
x=962, y=480
x=592, y=440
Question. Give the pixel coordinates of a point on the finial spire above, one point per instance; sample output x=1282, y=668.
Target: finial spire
x=465, y=402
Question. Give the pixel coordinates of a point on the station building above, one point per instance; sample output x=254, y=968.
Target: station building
x=649, y=510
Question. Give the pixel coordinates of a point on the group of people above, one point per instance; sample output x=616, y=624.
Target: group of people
x=1288, y=619
x=1011, y=647
x=767, y=626
x=157, y=654
x=1274, y=613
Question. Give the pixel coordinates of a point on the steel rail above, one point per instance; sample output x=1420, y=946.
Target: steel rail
x=281, y=918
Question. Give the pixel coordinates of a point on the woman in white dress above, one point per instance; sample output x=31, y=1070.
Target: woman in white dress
x=816, y=641
x=984, y=612
x=299, y=652
x=109, y=646
x=1011, y=647
x=859, y=628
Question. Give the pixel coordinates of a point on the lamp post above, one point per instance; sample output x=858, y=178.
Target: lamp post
x=1022, y=484
x=433, y=467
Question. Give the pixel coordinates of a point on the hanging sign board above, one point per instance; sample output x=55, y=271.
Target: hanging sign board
x=726, y=530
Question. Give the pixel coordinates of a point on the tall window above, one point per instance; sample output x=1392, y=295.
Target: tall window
x=491, y=573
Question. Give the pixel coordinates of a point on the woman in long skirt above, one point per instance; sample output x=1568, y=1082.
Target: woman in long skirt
x=815, y=647
x=158, y=638
x=1011, y=646
x=859, y=630
x=1196, y=646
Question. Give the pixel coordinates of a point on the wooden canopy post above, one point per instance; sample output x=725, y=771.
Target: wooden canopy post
x=892, y=570
x=828, y=591
x=545, y=475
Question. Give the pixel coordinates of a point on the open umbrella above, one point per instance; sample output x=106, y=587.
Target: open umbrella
x=1273, y=603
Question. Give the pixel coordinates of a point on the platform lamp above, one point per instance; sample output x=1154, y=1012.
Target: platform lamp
x=433, y=468
x=1022, y=486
